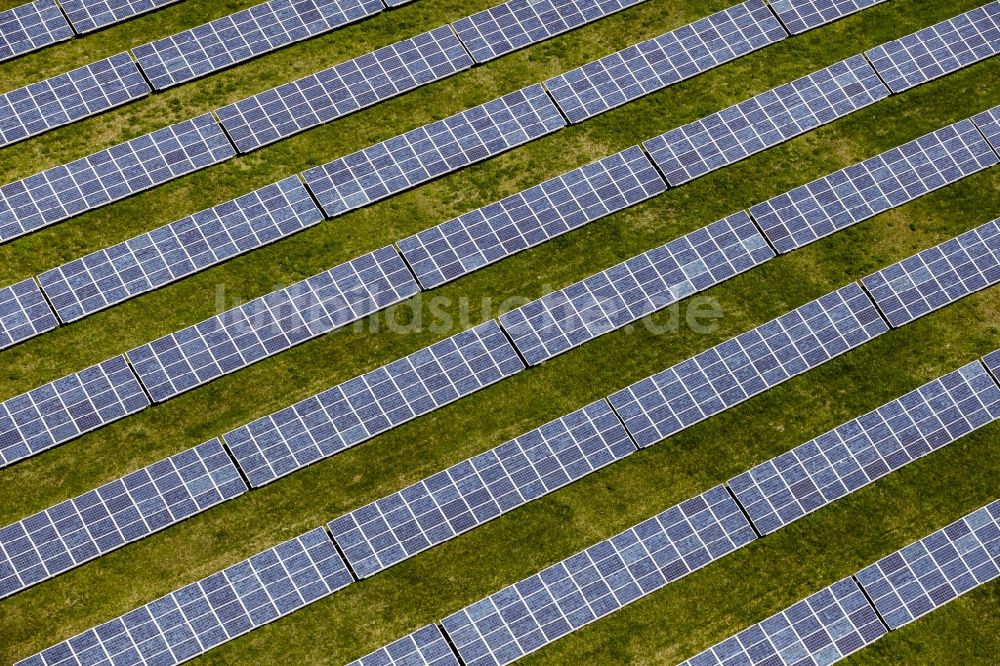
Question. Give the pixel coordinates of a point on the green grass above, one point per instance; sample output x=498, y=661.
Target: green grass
x=665, y=627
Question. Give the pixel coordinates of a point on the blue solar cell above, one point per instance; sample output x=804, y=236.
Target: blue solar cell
x=859, y=452
x=479, y=489
x=89, y=15
x=599, y=580
x=31, y=26
x=148, y=500
x=244, y=35
x=659, y=62
x=802, y=15
x=112, y=174
x=742, y=367
x=433, y=150
x=766, y=120
x=533, y=216
x=989, y=124
x=865, y=189
x=23, y=313
x=342, y=89
x=358, y=409
x=424, y=647
x=992, y=363
x=149, y=261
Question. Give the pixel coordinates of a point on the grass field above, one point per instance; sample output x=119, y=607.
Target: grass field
x=665, y=627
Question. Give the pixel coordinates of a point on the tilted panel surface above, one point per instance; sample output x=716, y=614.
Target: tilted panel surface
x=424, y=647
x=89, y=15
x=31, y=26
x=802, y=15
x=23, y=313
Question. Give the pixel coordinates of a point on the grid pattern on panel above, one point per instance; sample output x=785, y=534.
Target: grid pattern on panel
x=31, y=26
x=68, y=407
x=851, y=456
x=635, y=288
x=860, y=191
x=243, y=35
x=149, y=261
x=424, y=647
x=365, y=406
x=989, y=124
x=533, y=216
x=766, y=120
x=938, y=276
x=802, y=15
x=992, y=363
x=68, y=97
x=130, y=508
x=715, y=380
x=433, y=150
x=89, y=15
x=823, y=628
x=202, y=615
x=656, y=63
x=93, y=181
x=479, y=489
x=504, y=28
x=939, y=49
x=23, y=313
x=599, y=580
x=267, y=325
x=930, y=572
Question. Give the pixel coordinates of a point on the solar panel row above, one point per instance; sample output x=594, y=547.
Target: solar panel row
x=989, y=124
x=992, y=363
x=89, y=15
x=424, y=647
x=31, y=26
x=23, y=313
x=802, y=15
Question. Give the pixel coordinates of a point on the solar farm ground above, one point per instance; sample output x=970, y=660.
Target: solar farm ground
x=666, y=627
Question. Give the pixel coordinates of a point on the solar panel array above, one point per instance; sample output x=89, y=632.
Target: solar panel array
x=217, y=346
x=31, y=26
x=861, y=451
x=112, y=174
x=243, y=35
x=72, y=532
x=513, y=25
x=68, y=97
x=149, y=261
x=939, y=49
x=656, y=63
x=23, y=313
x=766, y=120
x=729, y=373
x=202, y=615
x=860, y=191
x=424, y=647
x=342, y=89
x=89, y=15
x=930, y=572
x=937, y=276
x=433, y=150
x=68, y=407
x=823, y=628
x=475, y=491
x=802, y=15
x=599, y=580
x=533, y=216
x=989, y=124
x=365, y=406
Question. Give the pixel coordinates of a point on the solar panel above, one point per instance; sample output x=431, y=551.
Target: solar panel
x=513, y=25
x=112, y=174
x=766, y=120
x=342, y=89
x=531, y=217
x=859, y=452
x=89, y=15
x=823, y=628
x=31, y=26
x=659, y=62
x=146, y=501
x=68, y=97
x=802, y=15
x=358, y=409
x=939, y=49
x=433, y=150
x=273, y=323
x=166, y=254
x=23, y=313
x=742, y=367
x=937, y=276
x=479, y=489
x=243, y=35
x=989, y=125
x=860, y=191
x=635, y=288
x=68, y=407
x=930, y=572
x=424, y=647
x=194, y=619
x=992, y=363
x=599, y=580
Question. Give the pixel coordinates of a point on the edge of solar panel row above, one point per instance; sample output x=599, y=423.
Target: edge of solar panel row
x=992, y=363
x=141, y=503
x=426, y=646
x=89, y=15
x=24, y=313
x=799, y=16
x=988, y=123
x=31, y=26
